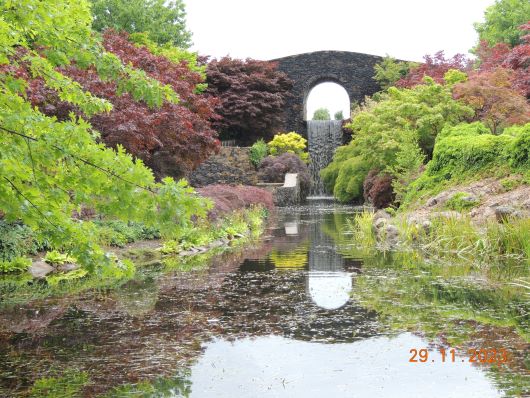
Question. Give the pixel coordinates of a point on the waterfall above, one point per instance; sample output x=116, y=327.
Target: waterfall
x=324, y=136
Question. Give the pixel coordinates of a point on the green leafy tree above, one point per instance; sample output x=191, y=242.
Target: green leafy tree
x=339, y=115
x=51, y=169
x=321, y=114
x=400, y=119
x=164, y=21
x=406, y=167
x=389, y=71
x=502, y=21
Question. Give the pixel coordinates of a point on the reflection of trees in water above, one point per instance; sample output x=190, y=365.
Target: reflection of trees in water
x=277, y=302
x=453, y=309
x=154, y=326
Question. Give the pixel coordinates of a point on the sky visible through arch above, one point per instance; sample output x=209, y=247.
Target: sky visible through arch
x=405, y=29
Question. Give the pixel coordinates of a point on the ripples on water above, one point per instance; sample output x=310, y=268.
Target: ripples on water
x=302, y=313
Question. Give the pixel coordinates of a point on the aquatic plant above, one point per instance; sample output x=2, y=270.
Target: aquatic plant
x=454, y=240
x=237, y=224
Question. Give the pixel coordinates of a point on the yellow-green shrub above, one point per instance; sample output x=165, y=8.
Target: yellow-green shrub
x=289, y=142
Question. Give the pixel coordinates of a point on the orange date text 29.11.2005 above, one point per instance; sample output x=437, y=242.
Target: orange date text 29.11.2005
x=482, y=355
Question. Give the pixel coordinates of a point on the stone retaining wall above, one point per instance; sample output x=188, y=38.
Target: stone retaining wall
x=231, y=165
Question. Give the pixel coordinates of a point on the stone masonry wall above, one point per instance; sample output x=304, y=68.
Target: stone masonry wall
x=353, y=71
x=230, y=166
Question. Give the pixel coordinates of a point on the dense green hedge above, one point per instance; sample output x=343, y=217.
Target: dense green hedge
x=350, y=179
x=465, y=151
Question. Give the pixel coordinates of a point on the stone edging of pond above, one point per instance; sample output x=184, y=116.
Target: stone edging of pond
x=40, y=269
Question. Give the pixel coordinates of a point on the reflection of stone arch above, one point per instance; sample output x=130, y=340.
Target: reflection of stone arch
x=353, y=71
x=329, y=290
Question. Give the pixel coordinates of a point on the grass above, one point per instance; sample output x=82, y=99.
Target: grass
x=455, y=239
x=461, y=201
x=237, y=224
x=454, y=271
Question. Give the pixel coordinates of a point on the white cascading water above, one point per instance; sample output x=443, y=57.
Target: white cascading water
x=324, y=136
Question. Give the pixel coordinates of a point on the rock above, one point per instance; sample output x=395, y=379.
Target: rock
x=216, y=243
x=381, y=214
x=448, y=214
x=439, y=199
x=470, y=198
x=231, y=165
x=67, y=267
x=380, y=223
x=504, y=213
x=427, y=226
x=39, y=269
x=186, y=253
x=432, y=202
x=391, y=232
x=386, y=233
x=289, y=194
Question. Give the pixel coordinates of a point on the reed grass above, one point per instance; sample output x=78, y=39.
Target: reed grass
x=454, y=239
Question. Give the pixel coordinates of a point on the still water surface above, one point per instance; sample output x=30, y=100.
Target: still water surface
x=300, y=313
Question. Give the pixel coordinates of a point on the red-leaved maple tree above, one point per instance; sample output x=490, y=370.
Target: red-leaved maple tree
x=495, y=102
x=434, y=66
x=517, y=59
x=252, y=96
x=172, y=139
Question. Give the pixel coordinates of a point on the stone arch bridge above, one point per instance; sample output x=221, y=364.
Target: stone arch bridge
x=353, y=71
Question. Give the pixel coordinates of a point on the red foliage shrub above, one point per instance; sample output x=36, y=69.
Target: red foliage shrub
x=173, y=139
x=252, y=97
x=369, y=182
x=378, y=189
x=228, y=198
x=434, y=66
x=274, y=168
x=516, y=59
x=491, y=57
x=494, y=100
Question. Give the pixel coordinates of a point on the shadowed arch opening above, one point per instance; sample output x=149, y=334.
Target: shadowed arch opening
x=328, y=95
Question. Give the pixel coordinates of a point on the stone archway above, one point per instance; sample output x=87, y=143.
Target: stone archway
x=315, y=84
x=353, y=71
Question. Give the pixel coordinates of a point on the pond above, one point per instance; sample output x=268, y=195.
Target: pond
x=302, y=312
